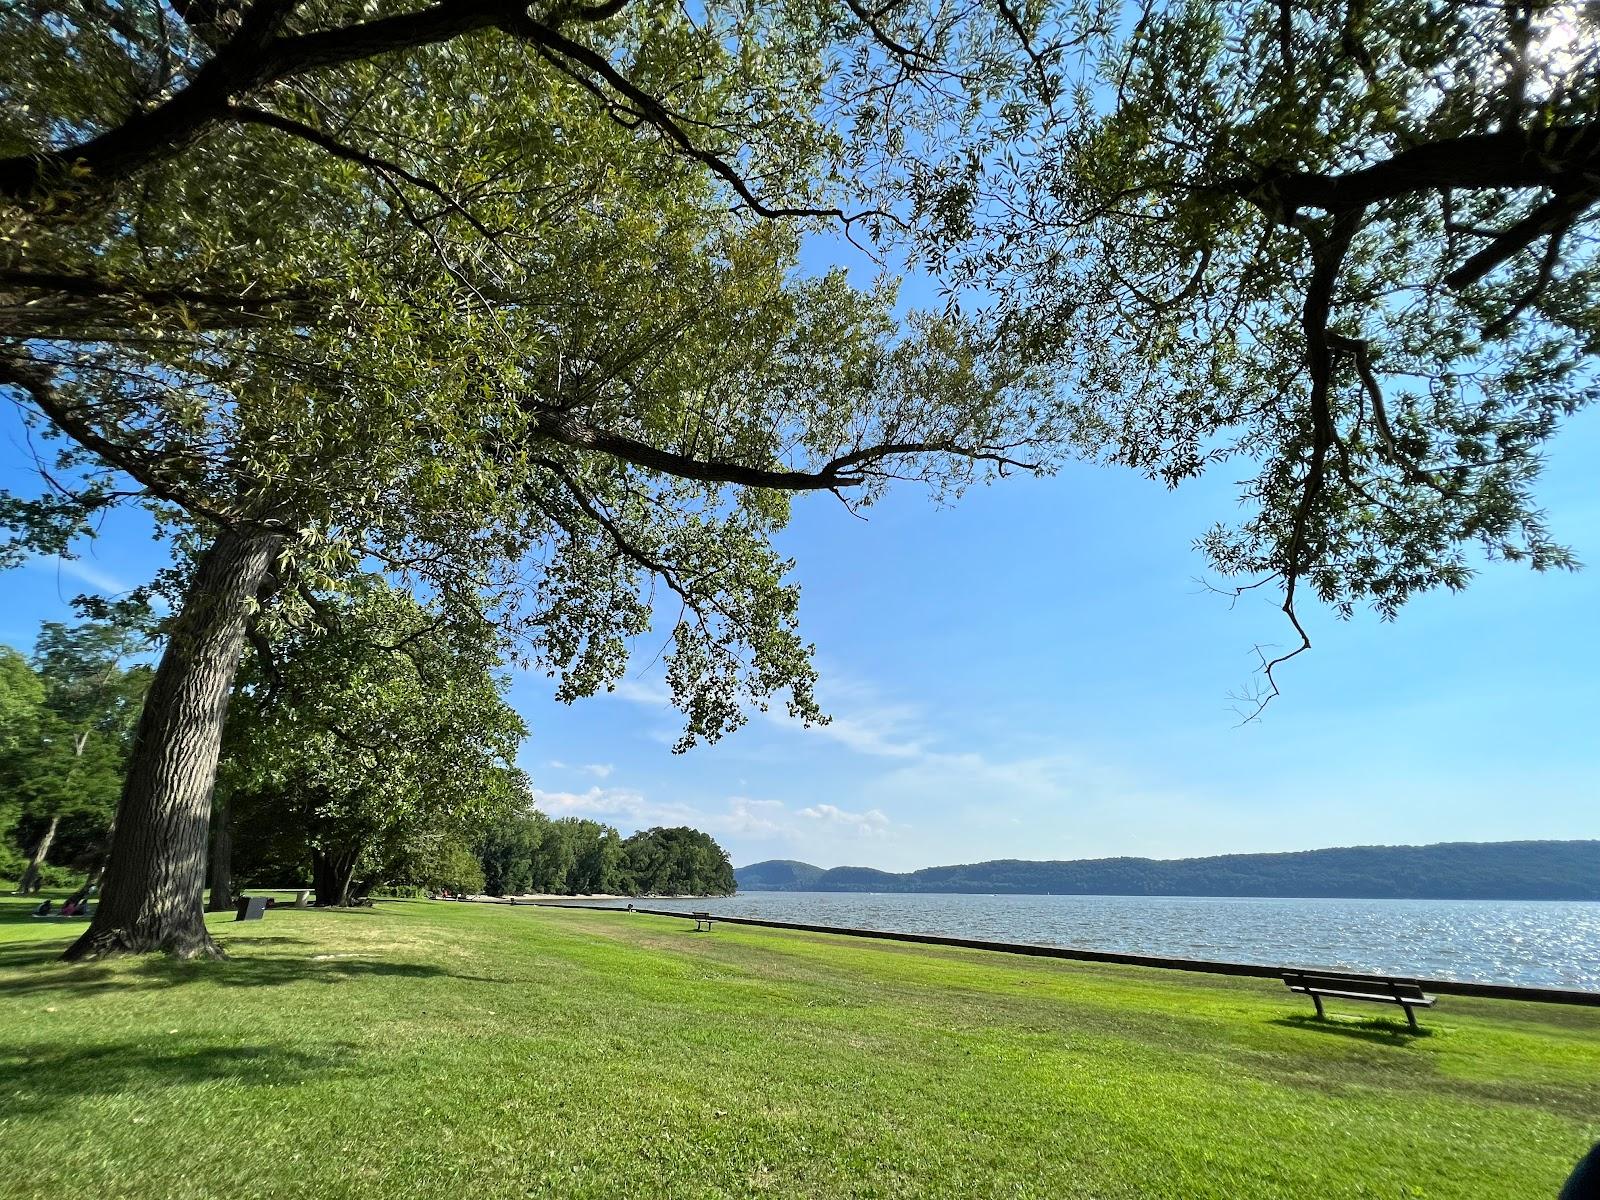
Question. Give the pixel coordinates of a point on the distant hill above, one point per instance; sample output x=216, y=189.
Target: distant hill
x=1446, y=871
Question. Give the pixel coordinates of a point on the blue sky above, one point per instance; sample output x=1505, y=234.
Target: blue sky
x=1036, y=673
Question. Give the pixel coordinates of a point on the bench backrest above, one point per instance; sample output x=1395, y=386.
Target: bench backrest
x=1325, y=981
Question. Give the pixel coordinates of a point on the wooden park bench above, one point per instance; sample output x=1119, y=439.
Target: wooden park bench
x=702, y=922
x=1408, y=994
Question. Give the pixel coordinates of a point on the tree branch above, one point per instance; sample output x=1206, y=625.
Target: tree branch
x=38, y=382
x=216, y=309
x=1328, y=251
x=1552, y=157
x=1554, y=216
x=654, y=112
x=620, y=540
x=847, y=470
x=254, y=58
x=249, y=61
x=250, y=115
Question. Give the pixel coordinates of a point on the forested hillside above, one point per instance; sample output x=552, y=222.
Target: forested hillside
x=1450, y=870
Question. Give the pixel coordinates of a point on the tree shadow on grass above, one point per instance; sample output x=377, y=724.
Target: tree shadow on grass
x=70, y=980
x=44, y=1077
x=1367, y=1029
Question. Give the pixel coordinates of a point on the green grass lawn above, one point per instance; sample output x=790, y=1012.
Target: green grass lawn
x=440, y=1050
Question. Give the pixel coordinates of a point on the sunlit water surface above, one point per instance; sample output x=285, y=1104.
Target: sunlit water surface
x=1542, y=943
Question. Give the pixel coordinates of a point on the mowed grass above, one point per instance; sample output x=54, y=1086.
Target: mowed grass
x=433, y=1049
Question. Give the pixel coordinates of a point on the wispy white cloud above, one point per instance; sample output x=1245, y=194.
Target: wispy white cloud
x=872, y=823
x=923, y=768
x=878, y=734
x=738, y=816
x=598, y=770
x=862, y=720
x=597, y=802
x=909, y=764
x=76, y=568
x=87, y=573
x=764, y=819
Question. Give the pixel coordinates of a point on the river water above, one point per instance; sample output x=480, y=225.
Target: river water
x=1534, y=942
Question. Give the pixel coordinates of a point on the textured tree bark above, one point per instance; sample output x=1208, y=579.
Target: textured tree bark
x=29, y=884
x=155, y=877
x=221, y=869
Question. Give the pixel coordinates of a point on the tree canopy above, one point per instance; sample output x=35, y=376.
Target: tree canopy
x=529, y=852
x=66, y=722
x=1350, y=244
x=677, y=861
x=369, y=745
x=517, y=352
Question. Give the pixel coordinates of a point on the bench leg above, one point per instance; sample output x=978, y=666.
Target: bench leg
x=1411, y=1016
x=1317, y=1000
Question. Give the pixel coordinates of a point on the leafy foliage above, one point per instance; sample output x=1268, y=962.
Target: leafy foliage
x=529, y=852
x=678, y=861
x=549, y=356
x=372, y=743
x=1348, y=244
x=68, y=719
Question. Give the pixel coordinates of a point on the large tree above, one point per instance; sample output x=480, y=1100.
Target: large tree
x=677, y=861
x=377, y=738
x=1348, y=243
x=445, y=285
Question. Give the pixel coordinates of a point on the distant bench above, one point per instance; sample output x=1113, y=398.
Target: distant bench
x=251, y=908
x=1317, y=984
x=702, y=922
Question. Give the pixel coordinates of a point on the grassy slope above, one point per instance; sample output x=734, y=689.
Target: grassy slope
x=439, y=1049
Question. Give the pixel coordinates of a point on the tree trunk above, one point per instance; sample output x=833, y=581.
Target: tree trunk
x=332, y=872
x=221, y=899
x=93, y=880
x=30, y=878
x=155, y=878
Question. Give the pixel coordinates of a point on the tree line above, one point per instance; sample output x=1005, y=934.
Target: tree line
x=375, y=750
x=530, y=852
x=505, y=303
x=67, y=714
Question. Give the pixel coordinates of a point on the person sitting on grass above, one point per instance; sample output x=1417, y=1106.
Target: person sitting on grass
x=44, y=908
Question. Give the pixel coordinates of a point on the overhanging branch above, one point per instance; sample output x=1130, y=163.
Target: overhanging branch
x=37, y=381
x=847, y=470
